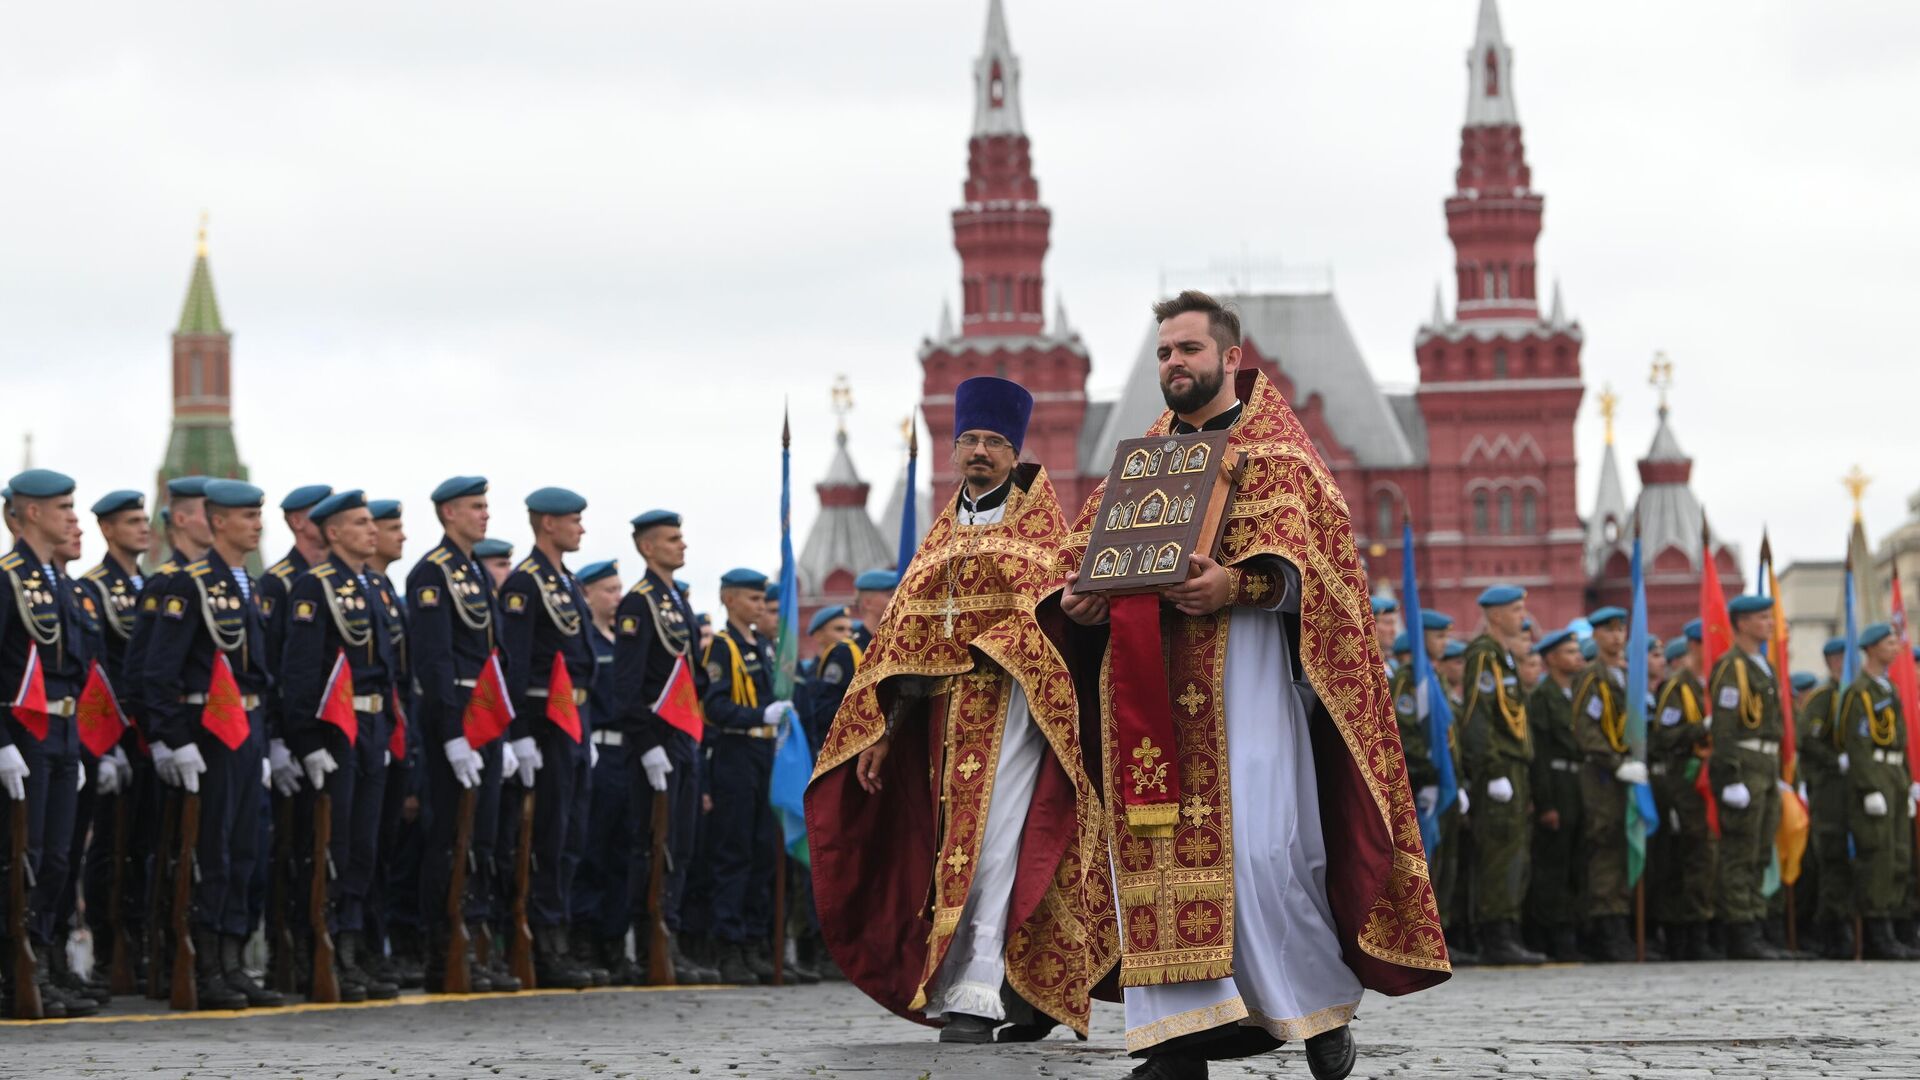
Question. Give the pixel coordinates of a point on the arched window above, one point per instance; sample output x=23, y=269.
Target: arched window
x=1487, y=284
x=1480, y=512
x=1529, y=512
x=196, y=379
x=1499, y=363
x=1506, y=513
x=1383, y=516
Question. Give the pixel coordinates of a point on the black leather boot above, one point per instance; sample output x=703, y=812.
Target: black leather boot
x=1566, y=944
x=1502, y=946
x=353, y=965
x=734, y=967
x=210, y=981
x=233, y=969
x=1882, y=944
x=579, y=952
x=689, y=969
x=1837, y=940
x=550, y=967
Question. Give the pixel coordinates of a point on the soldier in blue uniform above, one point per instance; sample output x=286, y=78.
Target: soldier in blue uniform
x=871, y=592
x=309, y=547
x=454, y=627
x=840, y=656
x=41, y=638
x=496, y=557
x=393, y=912
x=342, y=607
x=544, y=621
x=207, y=615
x=599, y=897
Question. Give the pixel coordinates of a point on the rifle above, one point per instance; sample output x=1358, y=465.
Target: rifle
x=186, y=995
x=326, y=981
x=280, y=975
x=120, y=969
x=26, y=973
x=659, y=941
x=459, y=978
x=520, y=951
x=163, y=852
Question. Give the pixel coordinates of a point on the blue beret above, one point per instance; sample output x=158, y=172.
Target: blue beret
x=985, y=403
x=773, y=591
x=1692, y=630
x=1653, y=644
x=1803, y=682
x=40, y=484
x=458, y=487
x=187, y=487
x=824, y=616
x=1434, y=620
x=301, y=498
x=1606, y=615
x=234, y=494
x=1589, y=650
x=1834, y=647
x=1553, y=641
x=6, y=493
x=877, y=581
x=1874, y=633
x=1676, y=648
x=1402, y=643
x=351, y=499
x=655, y=517
x=166, y=517
x=1495, y=595
x=115, y=501
x=703, y=619
x=593, y=572
x=490, y=548
x=384, y=509
x=742, y=578
x=684, y=587
x=1749, y=604
x=1453, y=650
x=555, y=500
x=1383, y=605
x=1527, y=625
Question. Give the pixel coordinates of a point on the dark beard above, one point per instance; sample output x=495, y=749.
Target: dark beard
x=1205, y=386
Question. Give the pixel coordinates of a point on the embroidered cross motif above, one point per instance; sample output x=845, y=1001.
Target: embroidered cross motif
x=970, y=766
x=1192, y=699
x=1196, y=811
x=1150, y=772
x=958, y=860
x=1199, y=922
x=1256, y=585
x=1197, y=849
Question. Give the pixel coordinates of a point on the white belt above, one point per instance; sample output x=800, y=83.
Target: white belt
x=761, y=731
x=609, y=738
x=1563, y=765
x=1890, y=757
x=369, y=702
x=65, y=706
x=579, y=695
x=247, y=701
x=468, y=683
x=1760, y=746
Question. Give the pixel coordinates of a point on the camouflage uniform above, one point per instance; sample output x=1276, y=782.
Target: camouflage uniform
x=1675, y=745
x=1600, y=727
x=1876, y=747
x=1498, y=747
x=1746, y=730
x=1820, y=744
x=1554, y=897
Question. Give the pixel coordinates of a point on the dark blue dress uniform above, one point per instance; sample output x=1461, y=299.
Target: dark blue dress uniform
x=653, y=629
x=599, y=897
x=543, y=614
x=739, y=687
x=114, y=591
x=828, y=689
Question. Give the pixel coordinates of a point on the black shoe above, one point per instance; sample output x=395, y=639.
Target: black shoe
x=1330, y=1054
x=760, y=959
x=797, y=972
x=1698, y=944
x=689, y=969
x=1616, y=941
x=1457, y=952
x=1565, y=946
x=1020, y=1033
x=1745, y=943
x=1170, y=1067
x=734, y=967
x=1882, y=944
x=353, y=966
x=74, y=983
x=1839, y=940
x=233, y=970
x=967, y=1028
x=1503, y=946
x=580, y=951
x=55, y=1001
x=551, y=971
x=210, y=984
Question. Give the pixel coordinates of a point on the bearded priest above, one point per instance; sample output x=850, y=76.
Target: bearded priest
x=1281, y=871
x=959, y=864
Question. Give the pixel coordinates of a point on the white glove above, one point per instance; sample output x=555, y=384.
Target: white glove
x=187, y=765
x=122, y=769
x=13, y=773
x=464, y=762
x=776, y=714
x=106, y=776
x=285, y=771
x=1631, y=772
x=1875, y=804
x=1736, y=796
x=1425, y=798
x=162, y=753
x=1845, y=763
x=318, y=764
x=1913, y=792
x=1500, y=790
x=79, y=779
x=1462, y=802
x=509, y=761
x=593, y=755
x=657, y=766
x=527, y=752
x=386, y=758
x=1802, y=791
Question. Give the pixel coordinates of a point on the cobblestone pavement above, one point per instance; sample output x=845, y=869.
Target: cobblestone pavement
x=1659, y=1022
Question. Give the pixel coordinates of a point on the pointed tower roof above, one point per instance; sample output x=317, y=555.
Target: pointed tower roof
x=201, y=313
x=843, y=538
x=896, y=507
x=946, y=323
x=1607, y=525
x=996, y=80
x=1557, y=317
x=1490, y=73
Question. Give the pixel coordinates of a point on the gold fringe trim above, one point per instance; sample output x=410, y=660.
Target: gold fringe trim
x=1185, y=891
x=1132, y=896
x=1152, y=974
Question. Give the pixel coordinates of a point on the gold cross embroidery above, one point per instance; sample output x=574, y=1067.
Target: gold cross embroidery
x=1199, y=922
x=970, y=766
x=958, y=860
x=1256, y=585
x=1196, y=811
x=1192, y=699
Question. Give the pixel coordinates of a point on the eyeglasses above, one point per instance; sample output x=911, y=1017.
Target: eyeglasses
x=990, y=442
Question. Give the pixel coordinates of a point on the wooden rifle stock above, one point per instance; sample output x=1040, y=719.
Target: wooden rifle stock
x=459, y=977
x=326, y=981
x=520, y=951
x=280, y=898
x=23, y=969
x=163, y=853
x=120, y=967
x=659, y=941
x=186, y=994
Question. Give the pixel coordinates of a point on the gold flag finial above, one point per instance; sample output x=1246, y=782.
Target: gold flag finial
x=200, y=247
x=1609, y=401
x=842, y=401
x=1661, y=378
x=1856, y=482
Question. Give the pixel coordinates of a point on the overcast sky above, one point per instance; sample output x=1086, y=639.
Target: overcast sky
x=598, y=244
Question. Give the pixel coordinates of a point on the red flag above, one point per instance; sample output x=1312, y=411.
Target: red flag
x=30, y=701
x=336, y=701
x=678, y=704
x=98, y=717
x=397, y=742
x=1906, y=677
x=1782, y=666
x=560, y=707
x=1716, y=637
x=489, y=711
x=225, y=713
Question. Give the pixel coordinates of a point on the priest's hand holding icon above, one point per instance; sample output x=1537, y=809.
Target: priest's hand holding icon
x=1087, y=610
x=1205, y=591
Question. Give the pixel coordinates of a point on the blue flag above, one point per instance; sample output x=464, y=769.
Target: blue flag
x=1848, y=665
x=1642, y=819
x=792, y=769
x=909, y=528
x=1433, y=708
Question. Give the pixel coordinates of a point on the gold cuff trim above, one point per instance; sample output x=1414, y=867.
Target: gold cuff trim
x=1205, y=1018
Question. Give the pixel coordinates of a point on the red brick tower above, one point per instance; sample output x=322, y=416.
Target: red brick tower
x=1499, y=384
x=1000, y=231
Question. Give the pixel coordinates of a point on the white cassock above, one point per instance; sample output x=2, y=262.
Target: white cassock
x=976, y=963
x=1288, y=976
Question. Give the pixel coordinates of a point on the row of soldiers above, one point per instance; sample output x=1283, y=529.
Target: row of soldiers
x=476, y=780
x=1533, y=859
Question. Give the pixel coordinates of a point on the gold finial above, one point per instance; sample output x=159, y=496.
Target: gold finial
x=842, y=401
x=1856, y=482
x=200, y=249
x=1609, y=401
x=1661, y=378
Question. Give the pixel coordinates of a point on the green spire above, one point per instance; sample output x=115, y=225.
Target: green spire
x=201, y=314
